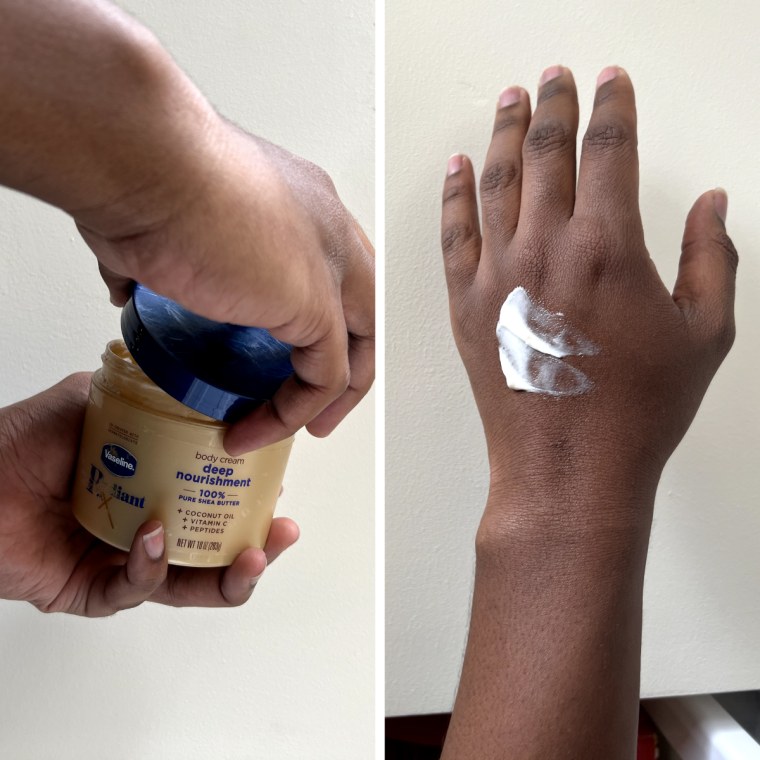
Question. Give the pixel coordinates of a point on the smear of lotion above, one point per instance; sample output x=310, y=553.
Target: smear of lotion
x=532, y=345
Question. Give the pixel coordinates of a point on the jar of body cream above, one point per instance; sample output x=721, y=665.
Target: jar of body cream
x=152, y=446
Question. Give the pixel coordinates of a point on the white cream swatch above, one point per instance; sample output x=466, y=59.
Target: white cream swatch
x=532, y=345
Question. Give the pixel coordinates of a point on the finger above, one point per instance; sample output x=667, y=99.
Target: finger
x=239, y=580
x=214, y=586
x=226, y=586
x=361, y=360
x=282, y=535
x=608, y=180
x=321, y=375
x=119, y=287
x=460, y=227
x=130, y=584
x=358, y=300
x=501, y=180
x=548, y=186
x=706, y=281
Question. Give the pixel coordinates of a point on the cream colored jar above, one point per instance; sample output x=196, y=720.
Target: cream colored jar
x=146, y=456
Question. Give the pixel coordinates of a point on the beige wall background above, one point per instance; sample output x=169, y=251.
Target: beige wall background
x=694, y=65
x=290, y=675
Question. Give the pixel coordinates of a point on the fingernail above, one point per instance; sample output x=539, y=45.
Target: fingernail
x=456, y=162
x=509, y=97
x=720, y=201
x=256, y=579
x=551, y=73
x=154, y=543
x=607, y=75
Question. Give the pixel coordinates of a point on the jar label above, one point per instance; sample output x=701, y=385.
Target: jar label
x=135, y=466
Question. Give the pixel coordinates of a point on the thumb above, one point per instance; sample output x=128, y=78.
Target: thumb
x=706, y=279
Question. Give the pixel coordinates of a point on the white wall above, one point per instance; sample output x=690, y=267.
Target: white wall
x=290, y=675
x=695, y=67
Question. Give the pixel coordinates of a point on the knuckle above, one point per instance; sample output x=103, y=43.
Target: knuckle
x=237, y=601
x=467, y=322
x=458, y=279
x=365, y=383
x=114, y=604
x=726, y=245
x=456, y=235
x=363, y=370
x=547, y=138
x=601, y=235
x=289, y=423
x=614, y=91
x=360, y=321
x=553, y=88
x=719, y=332
x=342, y=380
x=172, y=591
x=506, y=119
x=591, y=240
x=467, y=326
x=141, y=586
x=456, y=189
x=607, y=137
x=531, y=262
x=498, y=178
x=49, y=607
x=320, y=176
x=725, y=336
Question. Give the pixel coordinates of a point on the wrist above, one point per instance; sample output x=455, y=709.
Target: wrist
x=591, y=512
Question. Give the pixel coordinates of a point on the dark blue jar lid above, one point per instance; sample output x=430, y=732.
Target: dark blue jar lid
x=221, y=370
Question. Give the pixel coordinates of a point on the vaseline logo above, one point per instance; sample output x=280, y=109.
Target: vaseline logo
x=118, y=460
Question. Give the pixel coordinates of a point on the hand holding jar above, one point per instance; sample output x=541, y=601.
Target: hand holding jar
x=52, y=562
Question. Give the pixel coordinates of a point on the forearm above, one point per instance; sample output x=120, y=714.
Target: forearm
x=553, y=656
x=95, y=115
